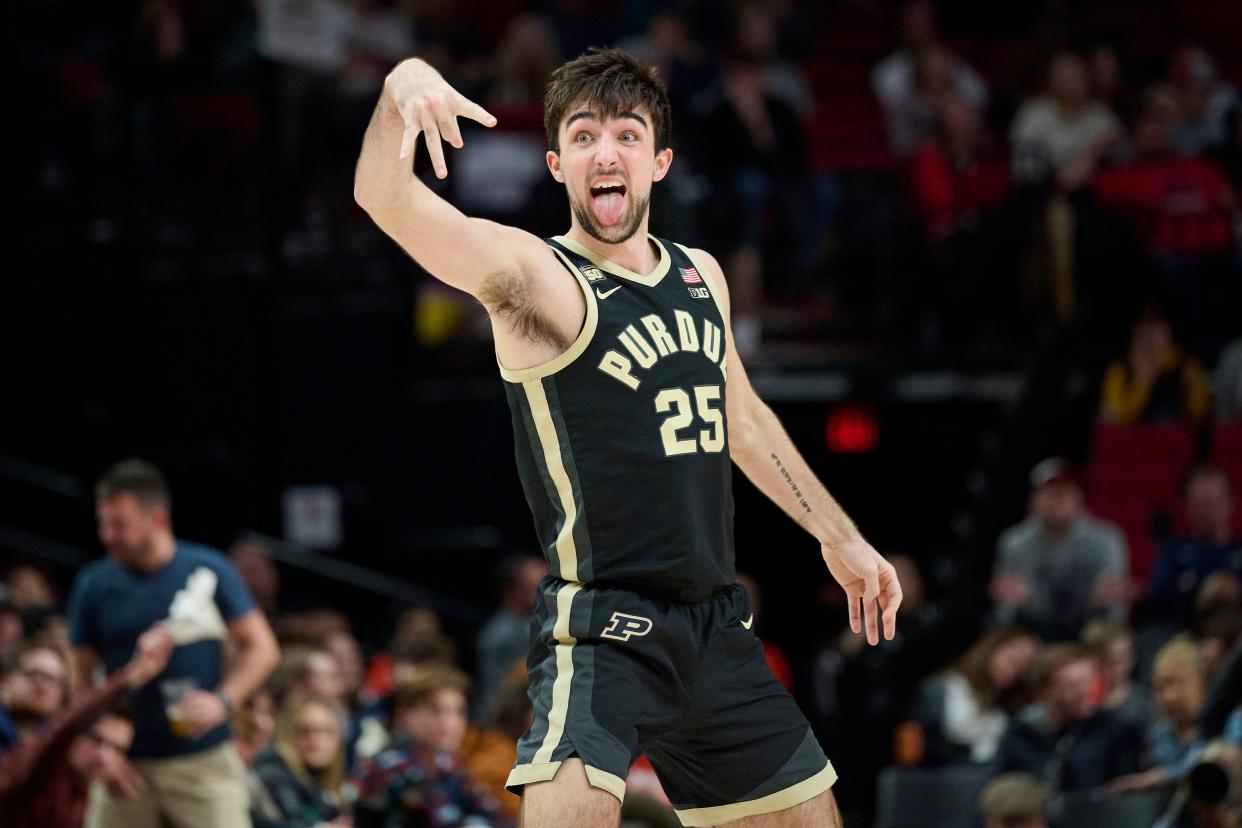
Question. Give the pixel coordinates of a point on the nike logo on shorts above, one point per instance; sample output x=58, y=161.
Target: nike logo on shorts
x=607, y=293
x=749, y=621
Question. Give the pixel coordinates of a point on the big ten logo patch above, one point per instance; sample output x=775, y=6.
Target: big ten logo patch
x=623, y=626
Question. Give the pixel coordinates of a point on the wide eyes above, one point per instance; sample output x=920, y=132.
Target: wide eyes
x=629, y=136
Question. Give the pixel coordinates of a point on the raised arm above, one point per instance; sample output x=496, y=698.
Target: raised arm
x=460, y=251
x=760, y=447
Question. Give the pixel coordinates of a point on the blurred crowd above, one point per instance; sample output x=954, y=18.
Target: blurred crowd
x=1088, y=188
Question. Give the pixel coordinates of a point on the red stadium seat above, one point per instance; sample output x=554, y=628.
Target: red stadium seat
x=1132, y=478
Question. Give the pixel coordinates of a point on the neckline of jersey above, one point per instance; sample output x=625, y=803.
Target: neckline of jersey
x=650, y=280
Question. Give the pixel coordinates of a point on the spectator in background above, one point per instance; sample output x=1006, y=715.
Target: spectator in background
x=1227, y=382
x=1156, y=382
x=524, y=60
x=1063, y=134
x=29, y=588
x=955, y=177
x=10, y=630
x=1112, y=643
x=759, y=172
x=911, y=117
x=1180, y=205
x=1065, y=739
x=1060, y=567
x=756, y=40
x=420, y=780
x=254, y=723
x=911, y=81
x=31, y=694
x=344, y=649
x=181, y=725
x=309, y=671
x=1217, y=619
x=490, y=751
x=1173, y=741
x=1210, y=546
x=44, y=780
x=1014, y=800
x=1205, y=100
x=258, y=572
x=1107, y=81
x=299, y=780
x=505, y=638
x=965, y=709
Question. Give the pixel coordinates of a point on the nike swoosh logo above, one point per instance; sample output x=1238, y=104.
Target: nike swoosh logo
x=607, y=293
x=749, y=621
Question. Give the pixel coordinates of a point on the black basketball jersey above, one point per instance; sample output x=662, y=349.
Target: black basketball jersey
x=622, y=441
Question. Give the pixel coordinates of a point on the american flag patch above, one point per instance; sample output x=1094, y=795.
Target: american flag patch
x=690, y=276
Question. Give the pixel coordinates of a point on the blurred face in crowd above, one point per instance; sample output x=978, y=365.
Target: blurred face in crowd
x=1209, y=505
x=1058, y=504
x=934, y=71
x=317, y=736
x=1178, y=686
x=1151, y=138
x=439, y=721
x=1105, y=72
x=918, y=24
x=1068, y=696
x=259, y=715
x=959, y=124
x=323, y=677
x=100, y=751
x=28, y=587
x=1010, y=661
x=128, y=530
x=36, y=687
x=349, y=666
x=608, y=167
x=258, y=571
x=1067, y=80
x=1117, y=661
x=1151, y=338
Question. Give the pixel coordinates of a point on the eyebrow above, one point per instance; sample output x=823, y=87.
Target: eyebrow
x=586, y=113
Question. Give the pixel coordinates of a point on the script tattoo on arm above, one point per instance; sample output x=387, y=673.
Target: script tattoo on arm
x=792, y=485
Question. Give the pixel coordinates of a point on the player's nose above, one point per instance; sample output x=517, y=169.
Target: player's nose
x=606, y=151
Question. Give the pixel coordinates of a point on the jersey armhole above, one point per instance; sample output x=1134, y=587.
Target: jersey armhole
x=708, y=277
x=575, y=349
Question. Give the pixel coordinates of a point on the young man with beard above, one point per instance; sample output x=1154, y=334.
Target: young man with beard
x=615, y=349
x=182, y=746
x=33, y=692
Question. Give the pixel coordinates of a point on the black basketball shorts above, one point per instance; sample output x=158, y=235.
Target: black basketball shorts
x=615, y=674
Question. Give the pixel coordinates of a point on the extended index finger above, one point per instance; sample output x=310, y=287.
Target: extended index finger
x=469, y=109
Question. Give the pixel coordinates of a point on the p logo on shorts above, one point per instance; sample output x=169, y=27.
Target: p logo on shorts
x=623, y=626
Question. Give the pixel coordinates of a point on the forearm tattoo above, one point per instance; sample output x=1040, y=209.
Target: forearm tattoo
x=792, y=485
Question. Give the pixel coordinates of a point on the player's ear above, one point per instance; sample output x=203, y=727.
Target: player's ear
x=554, y=165
x=663, y=160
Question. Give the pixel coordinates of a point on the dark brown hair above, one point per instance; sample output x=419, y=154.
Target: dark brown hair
x=611, y=82
x=137, y=477
x=1054, y=657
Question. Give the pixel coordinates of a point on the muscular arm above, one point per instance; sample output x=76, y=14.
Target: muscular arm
x=761, y=448
x=461, y=251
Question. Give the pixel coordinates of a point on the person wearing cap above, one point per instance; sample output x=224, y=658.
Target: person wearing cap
x=1014, y=800
x=1060, y=567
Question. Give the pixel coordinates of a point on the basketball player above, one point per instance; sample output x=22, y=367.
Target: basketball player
x=616, y=352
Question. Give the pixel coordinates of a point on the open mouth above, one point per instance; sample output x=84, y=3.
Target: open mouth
x=609, y=198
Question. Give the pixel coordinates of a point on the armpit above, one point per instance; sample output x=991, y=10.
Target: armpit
x=509, y=298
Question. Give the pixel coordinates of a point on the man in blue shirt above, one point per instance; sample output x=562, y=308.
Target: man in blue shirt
x=1211, y=546
x=182, y=747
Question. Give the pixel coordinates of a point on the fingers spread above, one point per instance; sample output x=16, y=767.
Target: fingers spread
x=447, y=122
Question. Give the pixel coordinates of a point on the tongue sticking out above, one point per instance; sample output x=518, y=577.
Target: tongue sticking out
x=608, y=207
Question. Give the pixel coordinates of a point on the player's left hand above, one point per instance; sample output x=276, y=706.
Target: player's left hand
x=870, y=585
x=202, y=710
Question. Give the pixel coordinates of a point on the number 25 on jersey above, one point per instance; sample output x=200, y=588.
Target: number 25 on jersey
x=672, y=431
